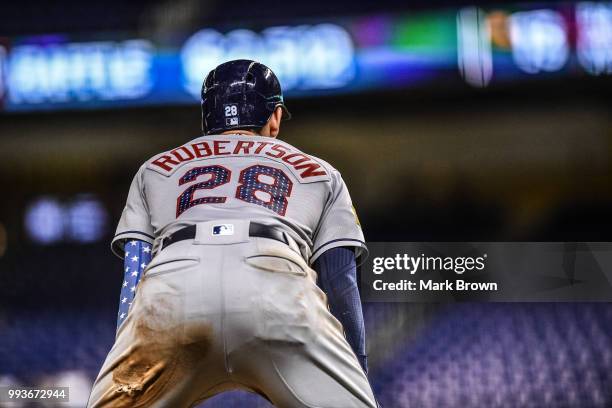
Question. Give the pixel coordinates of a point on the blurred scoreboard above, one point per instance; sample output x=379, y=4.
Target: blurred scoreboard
x=471, y=44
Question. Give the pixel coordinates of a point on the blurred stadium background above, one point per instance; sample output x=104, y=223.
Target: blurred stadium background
x=449, y=121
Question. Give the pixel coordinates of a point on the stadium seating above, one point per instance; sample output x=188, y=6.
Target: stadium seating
x=468, y=355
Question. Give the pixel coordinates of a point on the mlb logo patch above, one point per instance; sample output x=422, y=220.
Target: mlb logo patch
x=231, y=121
x=223, y=229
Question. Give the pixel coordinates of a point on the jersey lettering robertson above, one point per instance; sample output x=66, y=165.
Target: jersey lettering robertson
x=241, y=177
x=307, y=167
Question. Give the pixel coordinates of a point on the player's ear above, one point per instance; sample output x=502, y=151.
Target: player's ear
x=275, y=121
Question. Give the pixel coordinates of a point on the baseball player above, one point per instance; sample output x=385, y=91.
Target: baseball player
x=254, y=242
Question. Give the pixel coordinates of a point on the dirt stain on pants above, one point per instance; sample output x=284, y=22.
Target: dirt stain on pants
x=162, y=354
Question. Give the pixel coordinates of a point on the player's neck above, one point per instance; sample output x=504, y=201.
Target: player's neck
x=264, y=133
x=240, y=132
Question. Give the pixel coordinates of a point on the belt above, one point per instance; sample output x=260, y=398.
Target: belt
x=255, y=230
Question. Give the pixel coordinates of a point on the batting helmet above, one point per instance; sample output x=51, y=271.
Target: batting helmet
x=240, y=94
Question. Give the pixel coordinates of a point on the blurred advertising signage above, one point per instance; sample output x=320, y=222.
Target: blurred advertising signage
x=63, y=72
x=382, y=51
x=303, y=57
x=48, y=72
x=541, y=40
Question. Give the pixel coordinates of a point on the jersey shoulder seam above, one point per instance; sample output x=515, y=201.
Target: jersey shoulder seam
x=336, y=240
x=134, y=232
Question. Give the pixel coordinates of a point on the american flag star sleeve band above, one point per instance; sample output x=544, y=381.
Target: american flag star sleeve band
x=137, y=257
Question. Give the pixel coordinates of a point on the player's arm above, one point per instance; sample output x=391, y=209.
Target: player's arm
x=137, y=257
x=133, y=242
x=337, y=272
x=337, y=244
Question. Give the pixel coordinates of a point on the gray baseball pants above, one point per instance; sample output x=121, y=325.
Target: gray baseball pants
x=212, y=314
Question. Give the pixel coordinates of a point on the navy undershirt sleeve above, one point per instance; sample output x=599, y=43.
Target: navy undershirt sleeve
x=337, y=271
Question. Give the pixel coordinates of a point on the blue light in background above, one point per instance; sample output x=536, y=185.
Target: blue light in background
x=539, y=40
x=327, y=57
x=82, y=219
x=86, y=220
x=2, y=71
x=200, y=54
x=44, y=221
x=595, y=37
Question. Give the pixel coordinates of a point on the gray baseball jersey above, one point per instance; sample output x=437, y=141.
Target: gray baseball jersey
x=235, y=176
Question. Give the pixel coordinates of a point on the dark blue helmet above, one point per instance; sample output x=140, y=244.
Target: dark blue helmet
x=240, y=94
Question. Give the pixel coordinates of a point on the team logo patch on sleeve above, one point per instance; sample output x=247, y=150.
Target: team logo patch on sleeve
x=355, y=214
